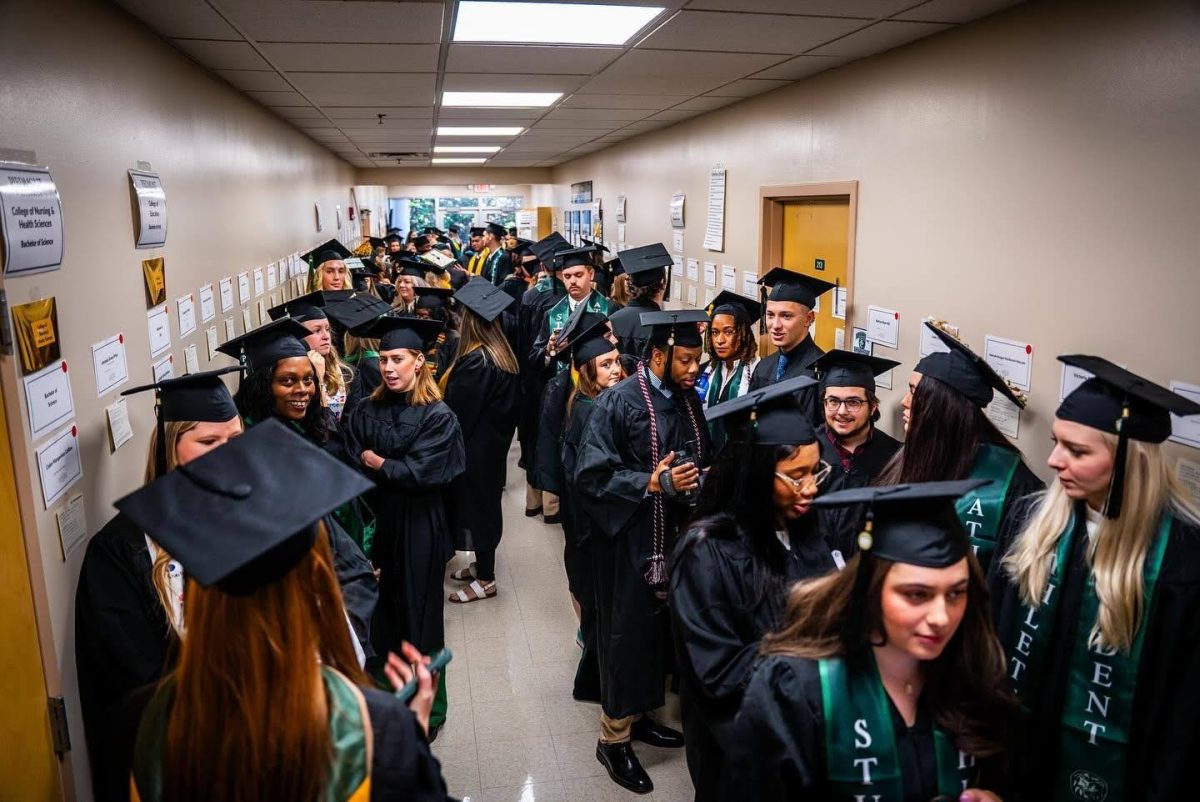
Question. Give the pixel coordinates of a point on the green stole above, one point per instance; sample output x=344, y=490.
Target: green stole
x=1098, y=706
x=561, y=311
x=361, y=355
x=861, y=761
x=489, y=269
x=981, y=510
x=349, y=735
x=715, y=396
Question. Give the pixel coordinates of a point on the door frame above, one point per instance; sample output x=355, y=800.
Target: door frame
x=773, y=198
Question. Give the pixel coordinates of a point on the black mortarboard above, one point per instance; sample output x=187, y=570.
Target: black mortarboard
x=545, y=248
x=675, y=327
x=326, y=251
x=376, y=242
x=599, y=246
x=575, y=257
x=1119, y=402
x=512, y=231
x=788, y=285
x=524, y=246
x=590, y=341
x=390, y=238
x=234, y=519
x=476, y=231
x=739, y=306
x=337, y=296
x=193, y=397
x=578, y=322
x=915, y=524
x=358, y=309
x=433, y=297
x=413, y=333
x=483, y=298
x=305, y=307
x=433, y=230
x=772, y=411
x=646, y=265
x=409, y=265
x=496, y=229
x=614, y=266
x=850, y=369
x=966, y=371
x=266, y=345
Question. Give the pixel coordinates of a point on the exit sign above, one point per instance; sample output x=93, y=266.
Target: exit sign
x=819, y=264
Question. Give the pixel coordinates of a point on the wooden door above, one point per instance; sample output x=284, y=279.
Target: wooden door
x=816, y=242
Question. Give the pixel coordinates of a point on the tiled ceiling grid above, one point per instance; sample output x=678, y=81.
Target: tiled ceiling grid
x=331, y=67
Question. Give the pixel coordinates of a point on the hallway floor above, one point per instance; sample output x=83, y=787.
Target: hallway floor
x=513, y=731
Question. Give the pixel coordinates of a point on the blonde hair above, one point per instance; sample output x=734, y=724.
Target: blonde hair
x=355, y=345
x=160, y=570
x=423, y=393
x=1117, y=551
x=338, y=374
x=486, y=335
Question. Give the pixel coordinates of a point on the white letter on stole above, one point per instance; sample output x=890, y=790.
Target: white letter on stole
x=863, y=741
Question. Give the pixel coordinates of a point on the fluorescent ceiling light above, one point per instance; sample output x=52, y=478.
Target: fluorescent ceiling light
x=458, y=161
x=460, y=130
x=466, y=148
x=510, y=100
x=550, y=23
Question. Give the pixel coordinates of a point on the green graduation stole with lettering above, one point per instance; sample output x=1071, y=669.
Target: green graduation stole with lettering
x=861, y=761
x=1098, y=707
x=980, y=510
x=561, y=311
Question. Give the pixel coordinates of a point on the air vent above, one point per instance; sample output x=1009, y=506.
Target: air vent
x=400, y=156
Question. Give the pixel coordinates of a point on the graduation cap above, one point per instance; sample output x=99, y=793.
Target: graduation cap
x=675, y=327
x=376, y=242
x=476, y=231
x=524, y=247
x=575, y=257
x=301, y=309
x=839, y=368
x=266, y=345
x=966, y=371
x=232, y=518
x=590, y=340
x=578, y=322
x=193, y=397
x=484, y=298
x=327, y=251
x=788, y=285
x=545, y=248
x=434, y=297
x=739, y=306
x=914, y=524
x=404, y=331
x=496, y=230
x=1119, y=402
x=433, y=230
x=614, y=267
x=646, y=265
x=772, y=413
x=409, y=265
x=358, y=309
x=599, y=246
x=393, y=237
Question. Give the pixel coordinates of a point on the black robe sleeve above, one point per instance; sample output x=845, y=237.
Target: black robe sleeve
x=356, y=577
x=468, y=394
x=548, y=468
x=436, y=457
x=402, y=766
x=613, y=487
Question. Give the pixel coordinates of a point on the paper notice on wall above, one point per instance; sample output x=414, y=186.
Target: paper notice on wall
x=208, y=304
x=839, y=303
x=109, y=364
x=729, y=278
x=186, y=320
x=120, y=431
x=191, y=360
x=750, y=285
x=260, y=282
x=59, y=465
x=883, y=326
x=691, y=295
x=230, y=329
x=676, y=208
x=714, y=227
x=210, y=337
x=930, y=342
x=710, y=274
x=1012, y=359
x=677, y=241
x=48, y=398
x=839, y=338
x=247, y=324
x=621, y=213
x=31, y=215
x=226, y=293
x=1005, y=414
x=708, y=298
x=1072, y=377
x=152, y=209
x=243, y=288
x=1186, y=430
x=158, y=325
x=1189, y=475
x=677, y=266
x=72, y=525
x=163, y=369
x=693, y=269
x=272, y=277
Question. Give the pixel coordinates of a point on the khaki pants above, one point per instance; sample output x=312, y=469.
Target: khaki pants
x=616, y=730
x=535, y=498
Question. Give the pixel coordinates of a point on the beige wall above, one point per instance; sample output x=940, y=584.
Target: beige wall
x=451, y=175
x=1032, y=176
x=93, y=92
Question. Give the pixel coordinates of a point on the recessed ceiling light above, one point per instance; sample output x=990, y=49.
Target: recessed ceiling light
x=466, y=148
x=459, y=130
x=509, y=100
x=458, y=161
x=550, y=23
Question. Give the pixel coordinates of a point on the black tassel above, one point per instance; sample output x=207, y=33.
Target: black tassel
x=762, y=320
x=1116, y=489
x=160, y=450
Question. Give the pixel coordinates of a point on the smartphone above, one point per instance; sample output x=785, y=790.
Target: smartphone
x=439, y=662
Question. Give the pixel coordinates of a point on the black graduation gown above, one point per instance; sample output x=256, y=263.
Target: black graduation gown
x=366, y=378
x=443, y=352
x=1164, y=741
x=122, y=642
x=627, y=326
x=535, y=304
x=800, y=360
x=486, y=401
x=718, y=619
x=612, y=474
x=577, y=551
x=423, y=453
x=777, y=750
x=548, y=467
x=841, y=523
x=402, y=765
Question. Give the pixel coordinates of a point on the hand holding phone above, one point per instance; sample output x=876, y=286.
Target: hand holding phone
x=435, y=667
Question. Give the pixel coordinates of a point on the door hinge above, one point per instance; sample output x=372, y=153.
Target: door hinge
x=59, y=732
x=6, y=340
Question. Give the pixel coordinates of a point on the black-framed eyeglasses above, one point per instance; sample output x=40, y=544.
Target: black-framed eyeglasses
x=852, y=404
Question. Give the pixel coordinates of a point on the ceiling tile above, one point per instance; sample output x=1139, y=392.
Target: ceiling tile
x=879, y=37
x=646, y=125
x=801, y=67
x=591, y=129
x=302, y=114
x=583, y=115
x=748, y=33
x=334, y=21
x=321, y=57
x=388, y=125
x=279, y=98
x=674, y=115
x=529, y=59
x=390, y=136
x=348, y=112
x=706, y=103
x=608, y=83
x=689, y=64
x=646, y=102
x=510, y=82
x=747, y=88
x=865, y=9
x=255, y=80
x=359, y=88
x=217, y=55
x=956, y=10
x=180, y=18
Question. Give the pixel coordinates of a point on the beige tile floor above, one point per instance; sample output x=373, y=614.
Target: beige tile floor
x=513, y=732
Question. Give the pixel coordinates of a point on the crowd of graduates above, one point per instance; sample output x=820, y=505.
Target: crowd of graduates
x=844, y=613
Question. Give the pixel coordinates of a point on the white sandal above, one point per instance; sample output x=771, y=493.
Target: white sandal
x=478, y=592
x=464, y=574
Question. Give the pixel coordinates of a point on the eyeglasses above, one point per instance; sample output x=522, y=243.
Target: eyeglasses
x=815, y=479
x=852, y=404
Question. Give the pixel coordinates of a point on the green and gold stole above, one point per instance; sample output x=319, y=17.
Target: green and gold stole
x=561, y=311
x=350, y=735
x=980, y=510
x=1098, y=706
x=861, y=760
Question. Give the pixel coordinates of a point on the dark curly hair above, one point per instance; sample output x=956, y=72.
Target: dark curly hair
x=256, y=402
